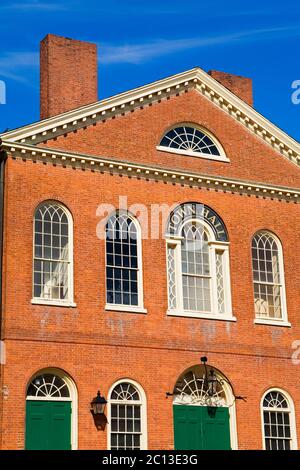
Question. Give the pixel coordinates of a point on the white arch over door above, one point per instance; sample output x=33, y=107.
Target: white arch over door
x=73, y=398
x=190, y=390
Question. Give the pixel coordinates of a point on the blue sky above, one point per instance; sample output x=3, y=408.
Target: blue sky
x=142, y=41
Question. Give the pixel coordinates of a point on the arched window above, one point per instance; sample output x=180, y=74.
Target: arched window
x=278, y=421
x=268, y=277
x=53, y=252
x=187, y=139
x=123, y=263
x=127, y=417
x=48, y=386
x=198, y=263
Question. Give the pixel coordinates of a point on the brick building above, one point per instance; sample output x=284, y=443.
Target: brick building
x=97, y=295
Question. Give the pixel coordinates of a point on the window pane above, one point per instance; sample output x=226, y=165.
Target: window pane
x=266, y=276
x=195, y=268
x=121, y=259
x=189, y=139
x=125, y=418
x=277, y=430
x=51, y=271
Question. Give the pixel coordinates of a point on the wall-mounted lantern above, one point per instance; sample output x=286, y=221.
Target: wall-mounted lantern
x=98, y=405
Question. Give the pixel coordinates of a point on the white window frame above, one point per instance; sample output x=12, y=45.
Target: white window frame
x=120, y=307
x=214, y=246
x=290, y=410
x=260, y=320
x=69, y=302
x=143, y=404
x=221, y=158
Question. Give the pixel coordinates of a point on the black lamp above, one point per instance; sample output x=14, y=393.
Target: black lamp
x=98, y=404
x=212, y=383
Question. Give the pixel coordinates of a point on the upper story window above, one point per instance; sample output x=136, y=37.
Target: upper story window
x=123, y=263
x=279, y=428
x=198, y=263
x=52, y=270
x=268, y=278
x=187, y=139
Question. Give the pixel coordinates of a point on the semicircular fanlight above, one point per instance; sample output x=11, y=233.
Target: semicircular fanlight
x=190, y=139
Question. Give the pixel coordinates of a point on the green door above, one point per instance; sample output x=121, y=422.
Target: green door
x=48, y=425
x=201, y=428
x=216, y=435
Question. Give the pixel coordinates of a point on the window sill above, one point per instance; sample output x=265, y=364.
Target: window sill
x=125, y=308
x=261, y=321
x=53, y=303
x=207, y=156
x=206, y=316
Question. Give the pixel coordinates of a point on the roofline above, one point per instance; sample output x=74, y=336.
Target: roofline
x=119, y=104
x=88, y=109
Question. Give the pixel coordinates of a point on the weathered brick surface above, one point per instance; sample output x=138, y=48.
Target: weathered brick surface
x=68, y=77
x=240, y=86
x=96, y=347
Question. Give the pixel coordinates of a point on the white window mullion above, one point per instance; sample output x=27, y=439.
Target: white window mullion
x=226, y=281
x=179, y=288
x=174, y=275
x=213, y=290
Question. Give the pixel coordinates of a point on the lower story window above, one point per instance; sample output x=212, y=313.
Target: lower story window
x=127, y=429
x=278, y=422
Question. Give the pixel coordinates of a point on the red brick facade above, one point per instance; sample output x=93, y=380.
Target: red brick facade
x=68, y=74
x=96, y=347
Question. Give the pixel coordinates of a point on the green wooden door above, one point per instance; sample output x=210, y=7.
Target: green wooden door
x=48, y=425
x=187, y=427
x=201, y=428
x=216, y=435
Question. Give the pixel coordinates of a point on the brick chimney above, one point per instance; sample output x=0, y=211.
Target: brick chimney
x=68, y=75
x=240, y=86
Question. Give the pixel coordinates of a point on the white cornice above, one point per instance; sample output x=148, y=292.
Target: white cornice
x=154, y=92
x=140, y=171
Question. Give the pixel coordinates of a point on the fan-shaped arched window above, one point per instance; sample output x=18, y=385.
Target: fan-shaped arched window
x=48, y=386
x=52, y=273
x=127, y=417
x=198, y=263
x=278, y=421
x=123, y=262
x=268, y=277
x=187, y=139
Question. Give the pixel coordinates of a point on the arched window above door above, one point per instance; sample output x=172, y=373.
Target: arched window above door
x=194, y=388
x=48, y=386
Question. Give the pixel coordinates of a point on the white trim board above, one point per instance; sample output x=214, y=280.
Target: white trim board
x=141, y=171
x=119, y=105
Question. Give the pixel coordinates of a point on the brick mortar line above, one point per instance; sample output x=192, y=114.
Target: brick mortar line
x=158, y=348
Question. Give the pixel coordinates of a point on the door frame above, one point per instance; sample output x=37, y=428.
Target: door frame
x=230, y=404
x=73, y=399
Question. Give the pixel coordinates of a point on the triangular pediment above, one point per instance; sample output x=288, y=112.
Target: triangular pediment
x=124, y=103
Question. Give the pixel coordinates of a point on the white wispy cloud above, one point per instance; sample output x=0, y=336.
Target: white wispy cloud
x=15, y=65
x=138, y=53
x=19, y=65
x=33, y=6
